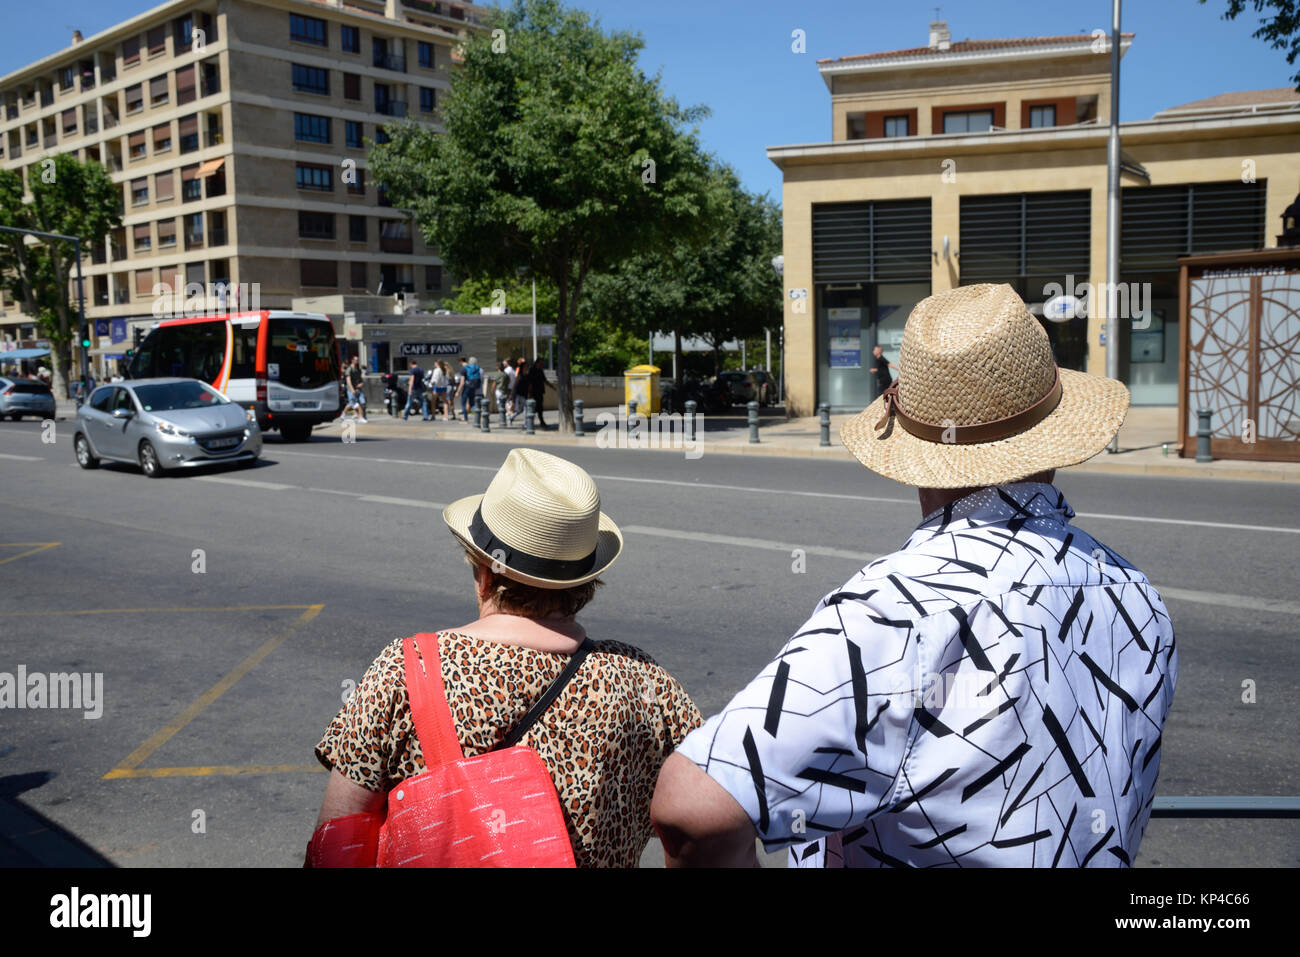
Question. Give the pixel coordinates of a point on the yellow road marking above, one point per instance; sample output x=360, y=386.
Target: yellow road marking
x=213, y=769
x=136, y=611
x=38, y=547
x=162, y=736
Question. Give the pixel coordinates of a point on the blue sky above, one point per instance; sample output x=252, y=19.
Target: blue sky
x=735, y=57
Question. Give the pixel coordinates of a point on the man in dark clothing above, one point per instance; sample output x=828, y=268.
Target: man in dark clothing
x=881, y=370
x=417, y=393
x=537, y=385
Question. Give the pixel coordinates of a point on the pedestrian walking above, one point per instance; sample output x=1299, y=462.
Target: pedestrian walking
x=440, y=389
x=354, y=382
x=991, y=694
x=537, y=386
x=508, y=367
x=520, y=389
x=501, y=384
x=880, y=369
x=417, y=393
x=473, y=385
x=537, y=543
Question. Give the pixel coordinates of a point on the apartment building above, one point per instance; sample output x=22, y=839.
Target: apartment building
x=971, y=161
x=236, y=130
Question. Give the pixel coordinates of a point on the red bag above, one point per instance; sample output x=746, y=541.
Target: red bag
x=498, y=809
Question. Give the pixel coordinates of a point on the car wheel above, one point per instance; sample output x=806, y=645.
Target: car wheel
x=85, y=458
x=149, y=462
x=297, y=432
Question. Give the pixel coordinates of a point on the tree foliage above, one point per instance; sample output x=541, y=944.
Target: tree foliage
x=559, y=155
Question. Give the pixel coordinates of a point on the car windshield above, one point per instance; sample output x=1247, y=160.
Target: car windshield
x=178, y=395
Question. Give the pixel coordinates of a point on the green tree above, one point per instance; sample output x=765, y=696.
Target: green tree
x=472, y=295
x=67, y=197
x=559, y=155
x=1280, y=26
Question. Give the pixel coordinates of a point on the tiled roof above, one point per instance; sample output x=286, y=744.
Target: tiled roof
x=971, y=46
x=1282, y=94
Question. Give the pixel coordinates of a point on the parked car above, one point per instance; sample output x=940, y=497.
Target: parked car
x=162, y=424
x=750, y=386
x=19, y=397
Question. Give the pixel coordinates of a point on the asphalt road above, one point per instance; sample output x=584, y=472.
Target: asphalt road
x=229, y=610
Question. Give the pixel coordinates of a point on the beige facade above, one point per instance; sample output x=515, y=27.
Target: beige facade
x=236, y=129
x=889, y=145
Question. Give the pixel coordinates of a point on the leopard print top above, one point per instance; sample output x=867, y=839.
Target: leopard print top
x=604, y=738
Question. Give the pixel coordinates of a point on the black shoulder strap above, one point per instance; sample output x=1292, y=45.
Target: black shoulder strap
x=548, y=696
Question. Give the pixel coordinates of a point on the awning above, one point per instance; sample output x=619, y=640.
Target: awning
x=17, y=354
x=211, y=166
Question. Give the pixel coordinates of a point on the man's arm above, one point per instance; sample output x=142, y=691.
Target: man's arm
x=699, y=823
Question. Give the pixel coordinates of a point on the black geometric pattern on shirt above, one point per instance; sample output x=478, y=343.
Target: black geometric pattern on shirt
x=1056, y=782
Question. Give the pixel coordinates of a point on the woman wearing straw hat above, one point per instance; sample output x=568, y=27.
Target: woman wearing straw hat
x=537, y=543
x=975, y=697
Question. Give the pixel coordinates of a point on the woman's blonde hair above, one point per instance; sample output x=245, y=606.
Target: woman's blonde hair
x=528, y=601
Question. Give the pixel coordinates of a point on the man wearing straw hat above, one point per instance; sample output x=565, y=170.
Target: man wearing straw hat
x=993, y=693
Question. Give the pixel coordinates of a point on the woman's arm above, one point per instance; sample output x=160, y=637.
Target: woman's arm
x=344, y=797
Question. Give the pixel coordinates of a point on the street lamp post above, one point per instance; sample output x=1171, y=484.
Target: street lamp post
x=778, y=265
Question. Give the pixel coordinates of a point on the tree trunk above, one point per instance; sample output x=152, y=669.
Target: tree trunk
x=59, y=341
x=677, y=359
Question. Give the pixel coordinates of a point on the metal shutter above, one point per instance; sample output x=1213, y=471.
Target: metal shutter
x=1015, y=235
x=872, y=241
x=1160, y=223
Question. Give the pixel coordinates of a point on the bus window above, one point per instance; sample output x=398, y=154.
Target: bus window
x=305, y=352
x=244, y=361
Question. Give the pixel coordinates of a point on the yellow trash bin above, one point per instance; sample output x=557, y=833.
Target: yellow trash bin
x=641, y=385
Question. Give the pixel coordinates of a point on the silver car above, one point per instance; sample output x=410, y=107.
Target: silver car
x=19, y=397
x=162, y=424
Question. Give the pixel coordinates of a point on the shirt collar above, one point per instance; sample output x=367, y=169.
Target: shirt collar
x=998, y=505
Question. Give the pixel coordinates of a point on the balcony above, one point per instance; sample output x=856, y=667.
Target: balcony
x=395, y=244
x=217, y=236
x=98, y=256
x=11, y=111
x=110, y=120
x=92, y=125
x=390, y=61
x=213, y=138
x=391, y=108
x=15, y=151
x=194, y=240
x=121, y=296
x=51, y=141
x=189, y=142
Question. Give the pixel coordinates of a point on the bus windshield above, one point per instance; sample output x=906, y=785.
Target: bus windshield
x=302, y=353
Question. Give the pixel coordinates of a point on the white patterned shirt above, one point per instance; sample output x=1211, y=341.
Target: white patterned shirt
x=992, y=694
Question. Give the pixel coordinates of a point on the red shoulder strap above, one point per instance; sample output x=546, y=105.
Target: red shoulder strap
x=429, y=710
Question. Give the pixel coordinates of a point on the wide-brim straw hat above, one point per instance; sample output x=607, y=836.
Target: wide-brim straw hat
x=539, y=523
x=979, y=399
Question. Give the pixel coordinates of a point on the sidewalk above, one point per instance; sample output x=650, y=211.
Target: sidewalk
x=1141, y=442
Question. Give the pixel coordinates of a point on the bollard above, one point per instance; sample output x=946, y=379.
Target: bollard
x=824, y=410
x=529, y=411
x=690, y=420
x=753, y=422
x=629, y=428
x=504, y=421
x=486, y=417
x=577, y=418
x=1203, y=435
x=477, y=410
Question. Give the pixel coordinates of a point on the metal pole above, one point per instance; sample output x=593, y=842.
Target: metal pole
x=767, y=360
x=81, y=320
x=1112, y=211
x=534, y=317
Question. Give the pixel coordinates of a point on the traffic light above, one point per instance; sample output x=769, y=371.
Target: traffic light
x=85, y=342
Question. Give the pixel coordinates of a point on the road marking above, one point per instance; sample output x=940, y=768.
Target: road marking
x=747, y=542
x=806, y=494
x=32, y=549
x=409, y=502
x=23, y=458
x=136, y=611
x=269, y=486
x=165, y=734
x=1247, y=602
x=214, y=769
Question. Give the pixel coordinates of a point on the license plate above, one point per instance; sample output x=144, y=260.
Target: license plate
x=304, y=405
x=223, y=443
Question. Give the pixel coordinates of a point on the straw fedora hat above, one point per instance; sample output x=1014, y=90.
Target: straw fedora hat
x=979, y=399
x=539, y=523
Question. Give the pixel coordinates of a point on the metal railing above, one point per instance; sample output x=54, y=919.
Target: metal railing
x=391, y=61
x=391, y=108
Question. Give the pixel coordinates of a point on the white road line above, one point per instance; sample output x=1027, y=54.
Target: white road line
x=1220, y=599
x=1188, y=521
x=23, y=458
x=747, y=542
x=407, y=502
x=250, y=483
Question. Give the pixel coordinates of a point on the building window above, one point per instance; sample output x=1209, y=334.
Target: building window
x=350, y=37
x=311, y=79
x=307, y=30
x=381, y=135
x=432, y=277
x=131, y=52
x=426, y=55
x=162, y=138
x=144, y=282
x=358, y=275
x=857, y=126
x=70, y=122
x=357, y=229
x=188, y=128
x=67, y=77
x=157, y=40
x=897, y=126
x=164, y=186
x=353, y=132
x=351, y=86
x=191, y=185
x=166, y=233
x=972, y=121
x=137, y=145
x=158, y=94
x=426, y=99
x=141, y=239
x=1042, y=116
x=315, y=225
x=134, y=98
x=359, y=187
x=313, y=129
x=311, y=176
x=140, y=191
x=319, y=272
x=185, y=92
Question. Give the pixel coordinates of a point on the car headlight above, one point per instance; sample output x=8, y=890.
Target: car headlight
x=166, y=428
x=251, y=415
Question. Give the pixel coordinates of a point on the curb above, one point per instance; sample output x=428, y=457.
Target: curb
x=1190, y=470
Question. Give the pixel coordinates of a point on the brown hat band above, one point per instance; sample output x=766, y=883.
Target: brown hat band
x=980, y=431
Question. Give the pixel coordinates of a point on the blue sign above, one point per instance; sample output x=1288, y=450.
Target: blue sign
x=101, y=327
x=118, y=327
